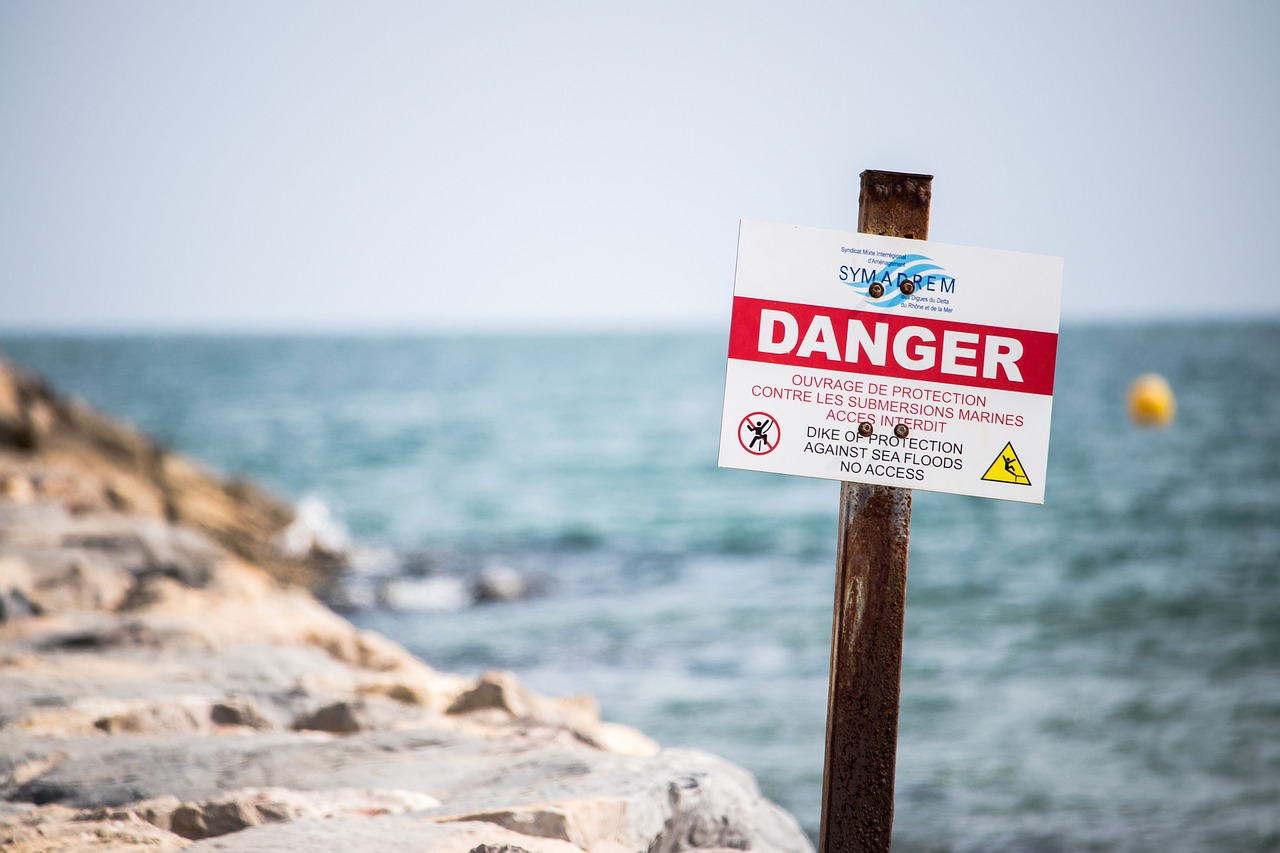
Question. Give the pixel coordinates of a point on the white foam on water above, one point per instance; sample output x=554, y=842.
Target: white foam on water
x=314, y=527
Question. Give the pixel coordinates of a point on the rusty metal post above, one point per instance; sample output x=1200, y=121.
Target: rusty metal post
x=870, y=600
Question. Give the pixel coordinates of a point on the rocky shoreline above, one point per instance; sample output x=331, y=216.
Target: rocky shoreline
x=170, y=681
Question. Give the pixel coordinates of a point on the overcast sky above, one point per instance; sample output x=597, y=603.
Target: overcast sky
x=375, y=165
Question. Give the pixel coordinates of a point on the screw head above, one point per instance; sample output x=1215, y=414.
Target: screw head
x=865, y=429
x=876, y=290
x=901, y=431
x=907, y=287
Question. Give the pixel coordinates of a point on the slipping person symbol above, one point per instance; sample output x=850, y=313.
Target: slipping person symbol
x=759, y=428
x=1009, y=463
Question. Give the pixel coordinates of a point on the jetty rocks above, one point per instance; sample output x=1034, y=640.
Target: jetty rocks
x=169, y=681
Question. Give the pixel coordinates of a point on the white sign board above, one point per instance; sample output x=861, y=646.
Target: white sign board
x=825, y=340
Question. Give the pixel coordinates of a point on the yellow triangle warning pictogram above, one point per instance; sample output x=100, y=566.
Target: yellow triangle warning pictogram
x=1007, y=468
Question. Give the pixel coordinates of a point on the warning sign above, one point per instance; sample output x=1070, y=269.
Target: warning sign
x=1007, y=468
x=899, y=362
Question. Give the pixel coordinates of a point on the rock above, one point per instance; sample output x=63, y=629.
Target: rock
x=166, y=823
x=32, y=524
x=77, y=581
x=12, y=412
x=92, y=715
x=499, y=584
x=241, y=710
x=60, y=448
x=210, y=820
x=57, y=829
x=584, y=824
x=149, y=547
x=678, y=800
x=14, y=604
x=15, y=590
x=501, y=691
x=383, y=833
x=339, y=718
x=238, y=516
x=237, y=810
x=17, y=488
x=163, y=691
x=25, y=771
x=156, y=718
x=157, y=811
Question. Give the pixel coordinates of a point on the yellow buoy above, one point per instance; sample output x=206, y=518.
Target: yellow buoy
x=1151, y=402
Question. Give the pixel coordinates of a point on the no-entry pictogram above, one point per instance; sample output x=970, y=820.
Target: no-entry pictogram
x=759, y=433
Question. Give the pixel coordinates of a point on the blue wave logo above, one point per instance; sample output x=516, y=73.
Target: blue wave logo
x=919, y=270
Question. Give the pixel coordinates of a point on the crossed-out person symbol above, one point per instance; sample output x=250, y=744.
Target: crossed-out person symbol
x=759, y=433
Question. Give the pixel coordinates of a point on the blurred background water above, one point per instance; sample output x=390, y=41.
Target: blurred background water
x=1099, y=673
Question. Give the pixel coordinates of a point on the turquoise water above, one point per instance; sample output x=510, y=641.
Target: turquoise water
x=1100, y=673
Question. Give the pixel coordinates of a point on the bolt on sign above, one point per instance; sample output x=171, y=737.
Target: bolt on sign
x=895, y=362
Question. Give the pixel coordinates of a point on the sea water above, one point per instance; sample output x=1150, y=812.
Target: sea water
x=1098, y=673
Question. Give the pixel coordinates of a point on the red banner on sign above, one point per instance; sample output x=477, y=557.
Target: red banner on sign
x=898, y=346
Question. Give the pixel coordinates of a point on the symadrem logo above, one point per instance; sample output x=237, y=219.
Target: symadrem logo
x=886, y=281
